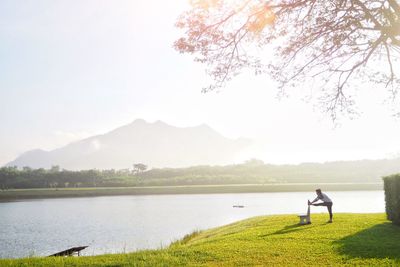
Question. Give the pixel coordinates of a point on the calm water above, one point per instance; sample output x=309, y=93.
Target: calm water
x=127, y=223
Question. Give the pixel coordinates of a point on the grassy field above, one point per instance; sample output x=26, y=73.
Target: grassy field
x=18, y=194
x=353, y=239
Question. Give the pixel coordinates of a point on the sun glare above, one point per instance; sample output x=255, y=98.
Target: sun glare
x=262, y=17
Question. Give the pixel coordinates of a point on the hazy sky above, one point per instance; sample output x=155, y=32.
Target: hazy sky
x=71, y=69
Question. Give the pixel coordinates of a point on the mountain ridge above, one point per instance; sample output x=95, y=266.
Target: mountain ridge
x=156, y=144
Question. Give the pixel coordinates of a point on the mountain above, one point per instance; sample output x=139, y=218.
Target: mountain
x=154, y=144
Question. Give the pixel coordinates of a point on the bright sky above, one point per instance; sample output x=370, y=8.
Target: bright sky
x=71, y=69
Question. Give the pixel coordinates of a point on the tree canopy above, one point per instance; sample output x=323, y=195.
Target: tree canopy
x=139, y=167
x=329, y=45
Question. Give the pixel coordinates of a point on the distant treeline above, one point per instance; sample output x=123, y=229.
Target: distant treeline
x=12, y=177
x=250, y=172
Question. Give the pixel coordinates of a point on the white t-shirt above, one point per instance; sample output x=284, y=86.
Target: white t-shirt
x=324, y=198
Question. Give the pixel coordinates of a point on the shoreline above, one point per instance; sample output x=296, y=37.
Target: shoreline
x=275, y=240
x=41, y=193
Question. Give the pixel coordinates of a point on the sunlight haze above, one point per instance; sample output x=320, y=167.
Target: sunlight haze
x=199, y=133
x=74, y=69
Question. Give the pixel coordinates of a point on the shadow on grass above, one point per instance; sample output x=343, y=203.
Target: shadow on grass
x=289, y=229
x=380, y=241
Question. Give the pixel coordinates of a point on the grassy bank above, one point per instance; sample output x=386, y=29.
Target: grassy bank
x=353, y=239
x=18, y=194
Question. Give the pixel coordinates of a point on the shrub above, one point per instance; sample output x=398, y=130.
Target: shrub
x=392, y=197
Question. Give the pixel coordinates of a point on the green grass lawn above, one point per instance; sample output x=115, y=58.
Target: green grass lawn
x=353, y=239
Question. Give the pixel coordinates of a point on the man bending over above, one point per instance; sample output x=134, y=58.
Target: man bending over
x=326, y=201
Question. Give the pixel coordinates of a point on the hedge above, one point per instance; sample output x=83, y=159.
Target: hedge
x=392, y=197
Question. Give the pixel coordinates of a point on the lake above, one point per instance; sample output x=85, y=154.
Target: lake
x=115, y=224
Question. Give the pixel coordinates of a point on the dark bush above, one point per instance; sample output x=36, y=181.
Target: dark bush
x=392, y=197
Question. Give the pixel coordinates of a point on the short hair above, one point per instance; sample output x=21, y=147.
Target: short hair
x=318, y=190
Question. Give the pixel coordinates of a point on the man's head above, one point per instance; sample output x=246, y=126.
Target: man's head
x=318, y=191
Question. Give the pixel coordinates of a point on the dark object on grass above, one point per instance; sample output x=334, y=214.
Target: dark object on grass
x=69, y=252
x=392, y=197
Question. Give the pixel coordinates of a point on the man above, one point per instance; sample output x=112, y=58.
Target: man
x=326, y=201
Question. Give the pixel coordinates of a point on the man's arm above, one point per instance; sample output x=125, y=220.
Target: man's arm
x=315, y=200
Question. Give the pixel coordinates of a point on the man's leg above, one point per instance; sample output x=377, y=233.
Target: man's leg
x=329, y=206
